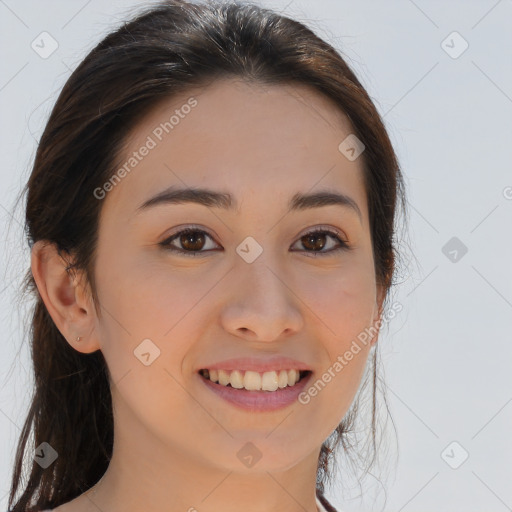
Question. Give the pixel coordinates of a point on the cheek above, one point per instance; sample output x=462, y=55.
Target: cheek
x=341, y=300
x=148, y=301
x=142, y=298
x=341, y=308
x=342, y=318
x=144, y=311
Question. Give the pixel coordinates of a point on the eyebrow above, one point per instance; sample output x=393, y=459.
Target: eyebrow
x=211, y=198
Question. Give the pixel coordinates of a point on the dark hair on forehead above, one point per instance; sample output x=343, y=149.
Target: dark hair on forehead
x=167, y=49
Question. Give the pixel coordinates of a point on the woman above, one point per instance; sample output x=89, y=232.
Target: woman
x=211, y=215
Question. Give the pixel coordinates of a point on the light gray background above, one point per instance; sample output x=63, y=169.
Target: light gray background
x=447, y=356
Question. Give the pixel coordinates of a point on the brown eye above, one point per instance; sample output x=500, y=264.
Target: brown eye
x=315, y=241
x=194, y=242
x=191, y=242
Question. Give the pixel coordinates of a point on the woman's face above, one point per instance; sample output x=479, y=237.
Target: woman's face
x=252, y=284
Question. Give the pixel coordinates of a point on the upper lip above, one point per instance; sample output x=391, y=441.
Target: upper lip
x=256, y=364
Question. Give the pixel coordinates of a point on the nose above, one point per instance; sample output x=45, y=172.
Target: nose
x=262, y=304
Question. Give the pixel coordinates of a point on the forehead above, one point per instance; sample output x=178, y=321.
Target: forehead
x=254, y=140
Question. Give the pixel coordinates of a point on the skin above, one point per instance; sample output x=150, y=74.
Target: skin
x=176, y=443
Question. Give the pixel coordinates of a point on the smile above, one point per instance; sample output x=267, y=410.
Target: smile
x=255, y=381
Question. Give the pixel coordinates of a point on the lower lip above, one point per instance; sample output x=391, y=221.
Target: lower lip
x=258, y=400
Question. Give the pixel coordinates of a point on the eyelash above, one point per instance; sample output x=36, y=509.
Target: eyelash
x=343, y=245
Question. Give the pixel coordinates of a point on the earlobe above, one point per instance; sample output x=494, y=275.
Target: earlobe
x=63, y=298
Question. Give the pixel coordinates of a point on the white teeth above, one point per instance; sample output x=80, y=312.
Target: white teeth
x=236, y=379
x=269, y=381
x=283, y=379
x=223, y=377
x=293, y=376
x=254, y=381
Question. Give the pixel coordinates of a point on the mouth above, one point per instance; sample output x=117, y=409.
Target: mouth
x=255, y=381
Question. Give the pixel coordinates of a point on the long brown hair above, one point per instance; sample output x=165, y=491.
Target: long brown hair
x=164, y=50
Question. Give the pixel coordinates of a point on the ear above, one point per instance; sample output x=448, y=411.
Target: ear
x=62, y=292
x=377, y=318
